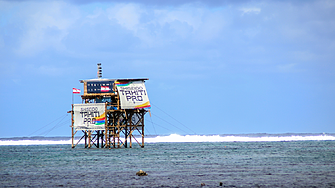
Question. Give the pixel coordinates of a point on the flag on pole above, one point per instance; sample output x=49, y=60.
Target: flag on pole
x=76, y=91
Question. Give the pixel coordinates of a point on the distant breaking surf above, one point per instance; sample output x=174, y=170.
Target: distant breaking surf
x=182, y=138
x=233, y=138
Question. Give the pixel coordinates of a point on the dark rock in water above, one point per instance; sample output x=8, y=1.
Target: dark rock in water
x=141, y=173
x=221, y=183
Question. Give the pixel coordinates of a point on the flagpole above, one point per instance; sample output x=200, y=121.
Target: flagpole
x=72, y=137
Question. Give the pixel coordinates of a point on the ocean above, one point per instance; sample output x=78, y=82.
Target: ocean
x=246, y=160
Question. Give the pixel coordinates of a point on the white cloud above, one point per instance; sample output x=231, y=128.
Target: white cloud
x=190, y=16
x=252, y=10
x=196, y=23
x=127, y=15
x=97, y=12
x=46, y=25
x=212, y=27
x=188, y=30
x=160, y=27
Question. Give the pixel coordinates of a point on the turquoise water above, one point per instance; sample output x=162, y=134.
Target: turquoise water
x=235, y=164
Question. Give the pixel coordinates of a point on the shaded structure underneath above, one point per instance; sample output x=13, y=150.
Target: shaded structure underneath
x=119, y=125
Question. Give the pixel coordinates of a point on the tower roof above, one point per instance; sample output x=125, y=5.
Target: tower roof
x=105, y=79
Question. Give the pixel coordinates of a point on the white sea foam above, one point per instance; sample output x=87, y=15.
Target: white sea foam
x=218, y=138
x=185, y=138
x=33, y=142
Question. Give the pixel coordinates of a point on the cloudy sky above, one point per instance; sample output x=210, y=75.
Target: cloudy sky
x=214, y=67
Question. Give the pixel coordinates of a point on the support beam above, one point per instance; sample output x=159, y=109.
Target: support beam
x=122, y=126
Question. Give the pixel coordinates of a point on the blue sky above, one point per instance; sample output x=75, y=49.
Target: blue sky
x=217, y=67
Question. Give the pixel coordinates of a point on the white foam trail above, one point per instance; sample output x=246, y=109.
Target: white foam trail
x=32, y=142
x=218, y=138
x=186, y=138
x=35, y=142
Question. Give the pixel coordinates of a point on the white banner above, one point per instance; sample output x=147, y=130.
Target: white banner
x=133, y=94
x=89, y=116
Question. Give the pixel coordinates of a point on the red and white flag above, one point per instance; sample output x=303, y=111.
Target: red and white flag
x=77, y=91
x=104, y=88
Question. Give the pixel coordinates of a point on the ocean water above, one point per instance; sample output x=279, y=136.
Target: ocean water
x=234, y=160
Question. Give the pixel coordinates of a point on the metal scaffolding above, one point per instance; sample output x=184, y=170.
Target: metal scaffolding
x=122, y=126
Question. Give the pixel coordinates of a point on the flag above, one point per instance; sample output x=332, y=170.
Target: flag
x=77, y=91
x=104, y=88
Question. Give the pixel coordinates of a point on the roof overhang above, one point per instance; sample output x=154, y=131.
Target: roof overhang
x=104, y=79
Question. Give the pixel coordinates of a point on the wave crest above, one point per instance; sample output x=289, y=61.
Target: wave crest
x=218, y=138
x=183, y=138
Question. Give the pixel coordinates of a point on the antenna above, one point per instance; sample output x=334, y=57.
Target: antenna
x=99, y=70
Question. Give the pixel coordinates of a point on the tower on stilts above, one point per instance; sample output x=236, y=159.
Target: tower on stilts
x=111, y=114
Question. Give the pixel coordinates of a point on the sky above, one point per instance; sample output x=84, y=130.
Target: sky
x=214, y=67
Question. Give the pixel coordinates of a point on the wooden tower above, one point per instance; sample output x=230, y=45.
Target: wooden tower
x=111, y=114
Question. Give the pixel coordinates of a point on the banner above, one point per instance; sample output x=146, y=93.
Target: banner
x=89, y=116
x=133, y=94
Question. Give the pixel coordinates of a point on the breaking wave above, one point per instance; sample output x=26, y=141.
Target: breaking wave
x=26, y=142
x=183, y=138
x=233, y=138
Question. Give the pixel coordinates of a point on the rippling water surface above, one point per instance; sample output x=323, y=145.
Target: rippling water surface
x=235, y=164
